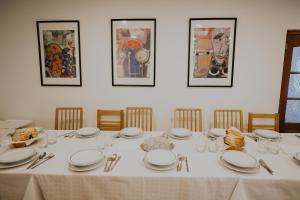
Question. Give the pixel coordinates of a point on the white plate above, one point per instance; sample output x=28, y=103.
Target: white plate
x=131, y=132
x=220, y=132
x=86, y=157
x=87, y=136
x=160, y=157
x=160, y=168
x=239, y=159
x=180, y=132
x=88, y=131
x=87, y=168
x=267, y=133
x=16, y=155
x=238, y=169
x=10, y=165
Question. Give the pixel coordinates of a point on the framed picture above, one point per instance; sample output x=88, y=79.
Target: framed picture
x=211, y=52
x=133, y=52
x=59, y=52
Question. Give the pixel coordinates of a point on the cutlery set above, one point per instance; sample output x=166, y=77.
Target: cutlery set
x=182, y=158
x=111, y=162
x=264, y=165
x=40, y=159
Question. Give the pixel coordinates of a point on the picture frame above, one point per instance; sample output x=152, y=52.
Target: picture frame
x=211, y=52
x=59, y=52
x=133, y=44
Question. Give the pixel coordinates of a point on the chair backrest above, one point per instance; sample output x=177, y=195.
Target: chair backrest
x=110, y=120
x=264, y=121
x=140, y=117
x=226, y=118
x=190, y=118
x=68, y=118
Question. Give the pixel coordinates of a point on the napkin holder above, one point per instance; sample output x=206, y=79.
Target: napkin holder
x=235, y=139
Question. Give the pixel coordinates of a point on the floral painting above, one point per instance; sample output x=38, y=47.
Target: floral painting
x=133, y=52
x=59, y=52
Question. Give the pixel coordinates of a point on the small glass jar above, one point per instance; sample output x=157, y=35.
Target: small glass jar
x=212, y=145
x=273, y=146
x=201, y=143
x=262, y=145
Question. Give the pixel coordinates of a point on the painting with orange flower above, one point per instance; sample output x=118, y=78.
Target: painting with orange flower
x=59, y=51
x=211, y=52
x=133, y=52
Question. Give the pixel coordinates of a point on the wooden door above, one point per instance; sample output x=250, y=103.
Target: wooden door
x=289, y=105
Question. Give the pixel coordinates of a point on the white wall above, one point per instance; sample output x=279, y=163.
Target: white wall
x=259, y=51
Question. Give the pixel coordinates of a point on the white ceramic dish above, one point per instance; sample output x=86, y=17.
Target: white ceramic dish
x=16, y=155
x=238, y=169
x=160, y=168
x=267, y=134
x=180, y=132
x=87, y=136
x=88, y=131
x=219, y=132
x=11, y=165
x=160, y=157
x=131, y=132
x=239, y=159
x=87, y=168
x=86, y=157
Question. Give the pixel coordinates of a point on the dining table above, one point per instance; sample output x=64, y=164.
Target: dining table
x=207, y=178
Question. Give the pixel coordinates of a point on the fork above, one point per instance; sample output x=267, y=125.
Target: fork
x=180, y=159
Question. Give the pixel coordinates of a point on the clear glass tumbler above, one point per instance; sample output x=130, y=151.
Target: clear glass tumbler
x=262, y=145
x=201, y=142
x=212, y=145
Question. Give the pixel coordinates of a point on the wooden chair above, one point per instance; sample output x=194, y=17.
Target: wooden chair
x=264, y=121
x=67, y=118
x=190, y=118
x=140, y=117
x=228, y=118
x=106, y=120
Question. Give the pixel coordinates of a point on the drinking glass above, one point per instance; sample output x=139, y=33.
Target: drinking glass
x=273, y=146
x=104, y=141
x=212, y=145
x=262, y=145
x=201, y=143
x=43, y=141
x=51, y=138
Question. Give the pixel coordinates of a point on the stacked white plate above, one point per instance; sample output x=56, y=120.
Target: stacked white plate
x=17, y=157
x=180, y=133
x=269, y=134
x=239, y=161
x=218, y=132
x=131, y=132
x=160, y=160
x=85, y=160
x=87, y=132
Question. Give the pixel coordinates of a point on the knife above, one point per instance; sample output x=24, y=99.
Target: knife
x=264, y=165
x=39, y=158
x=187, y=164
x=47, y=158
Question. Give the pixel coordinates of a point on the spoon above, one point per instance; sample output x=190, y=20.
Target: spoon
x=112, y=159
x=41, y=156
x=180, y=159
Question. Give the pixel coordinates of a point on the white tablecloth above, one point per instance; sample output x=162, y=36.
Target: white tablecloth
x=207, y=178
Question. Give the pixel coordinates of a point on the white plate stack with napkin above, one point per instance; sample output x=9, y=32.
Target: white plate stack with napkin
x=131, y=132
x=160, y=160
x=217, y=132
x=87, y=132
x=85, y=160
x=268, y=134
x=180, y=133
x=239, y=161
x=17, y=157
